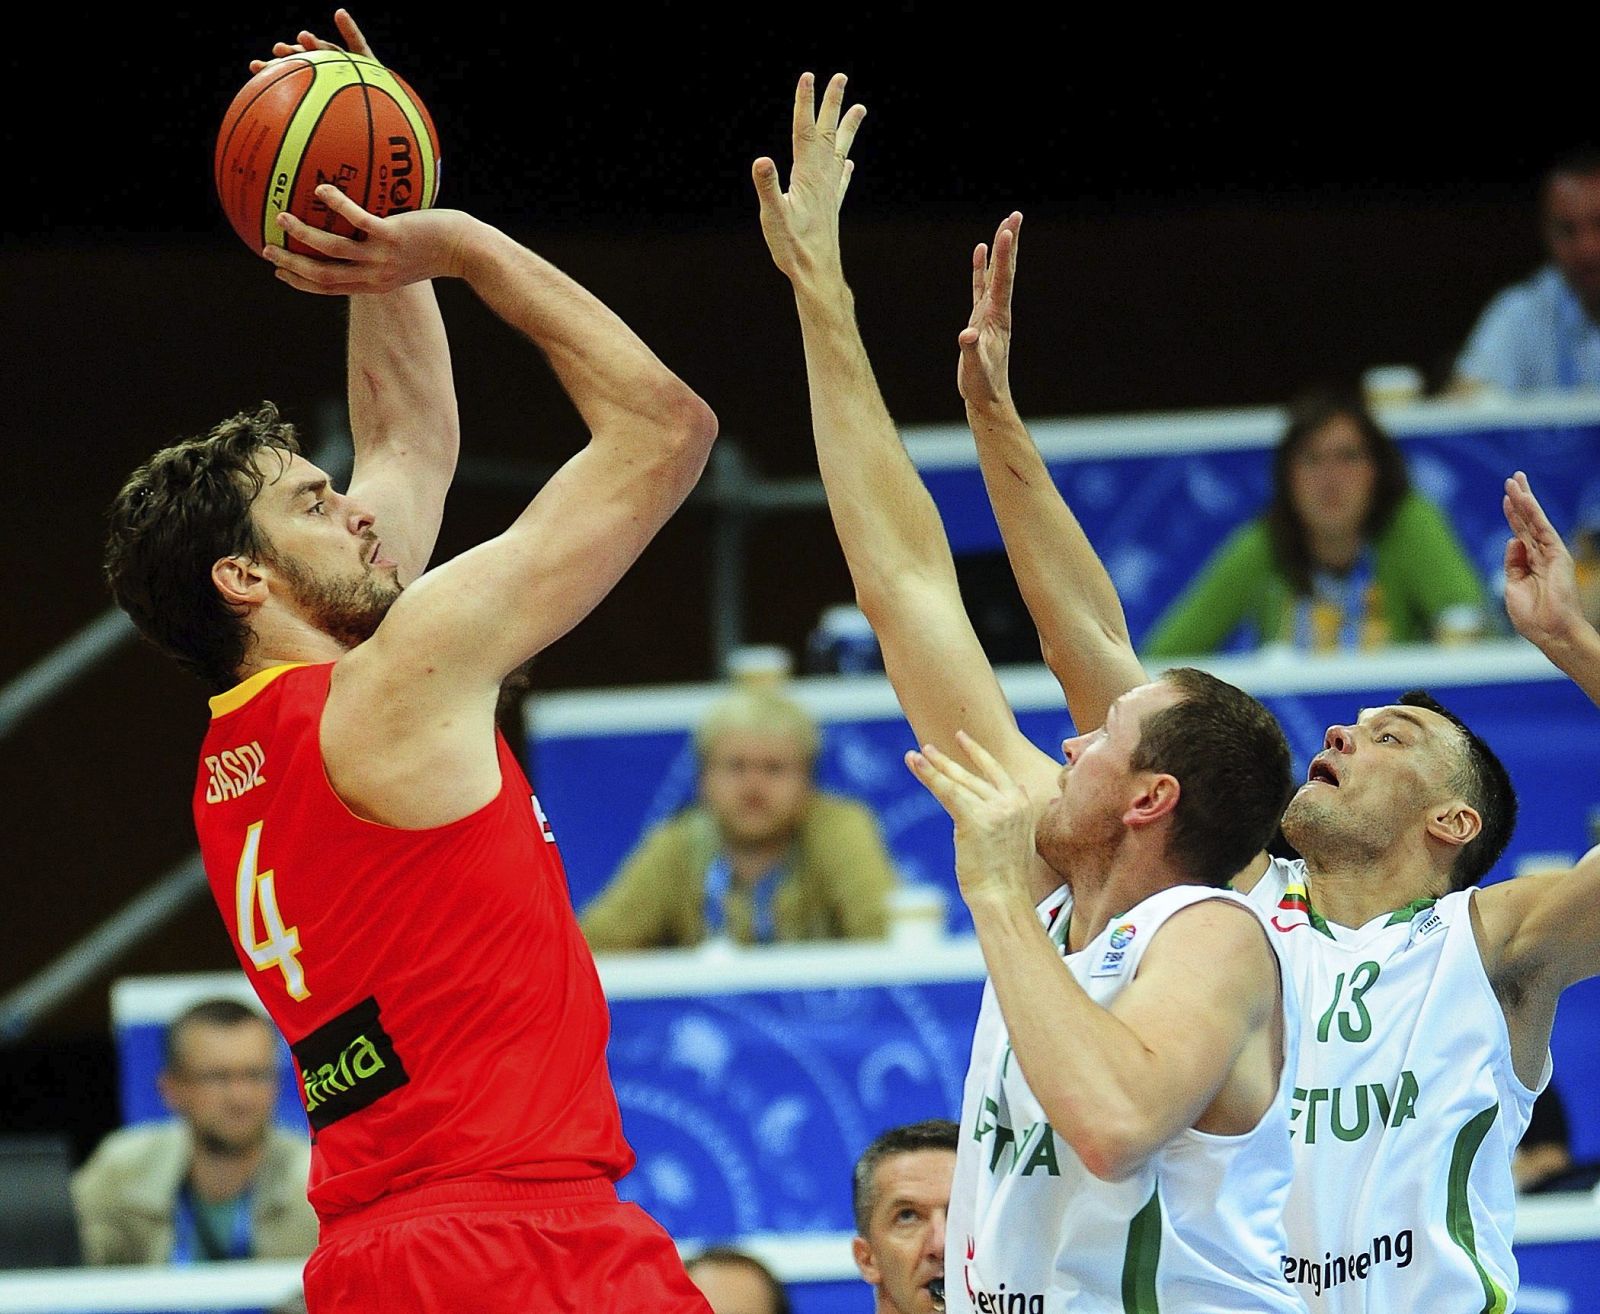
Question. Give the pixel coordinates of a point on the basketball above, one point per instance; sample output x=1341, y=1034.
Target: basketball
x=323, y=116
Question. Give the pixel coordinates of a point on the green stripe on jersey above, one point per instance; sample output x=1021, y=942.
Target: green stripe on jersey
x=1141, y=1258
x=1458, y=1209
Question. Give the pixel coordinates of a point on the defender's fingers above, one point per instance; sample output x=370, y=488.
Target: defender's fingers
x=845, y=176
x=805, y=106
x=765, y=175
x=300, y=284
x=936, y=783
x=848, y=128
x=967, y=780
x=984, y=760
x=832, y=102
x=980, y=272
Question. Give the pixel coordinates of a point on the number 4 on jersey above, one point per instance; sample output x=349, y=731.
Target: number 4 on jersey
x=279, y=945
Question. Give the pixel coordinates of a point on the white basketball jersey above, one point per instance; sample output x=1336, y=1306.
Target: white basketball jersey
x=1198, y=1227
x=1406, y=1109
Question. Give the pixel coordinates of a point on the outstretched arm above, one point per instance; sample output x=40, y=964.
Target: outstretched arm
x=1082, y=630
x=1116, y=1083
x=892, y=537
x=426, y=682
x=403, y=420
x=1540, y=934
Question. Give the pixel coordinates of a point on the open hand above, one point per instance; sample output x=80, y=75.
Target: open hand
x=385, y=253
x=1541, y=584
x=353, y=41
x=802, y=224
x=983, y=374
x=994, y=819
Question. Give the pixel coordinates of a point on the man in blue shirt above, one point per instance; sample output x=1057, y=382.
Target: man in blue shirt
x=1545, y=332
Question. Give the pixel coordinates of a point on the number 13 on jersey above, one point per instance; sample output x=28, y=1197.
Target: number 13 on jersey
x=280, y=945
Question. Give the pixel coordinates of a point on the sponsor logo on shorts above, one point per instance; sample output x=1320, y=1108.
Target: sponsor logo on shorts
x=347, y=1064
x=1335, y=1270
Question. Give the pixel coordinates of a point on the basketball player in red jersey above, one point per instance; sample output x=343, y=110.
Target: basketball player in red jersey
x=391, y=886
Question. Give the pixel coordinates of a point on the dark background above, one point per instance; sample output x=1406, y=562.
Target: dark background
x=1215, y=216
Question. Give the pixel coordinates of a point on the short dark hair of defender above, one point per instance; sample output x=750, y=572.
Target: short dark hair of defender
x=1483, y=781
x=931, y=1134
x=1232, y=765
x=741, y=1259
x=179, y=513
x=1308, y=415
x=210, y=1013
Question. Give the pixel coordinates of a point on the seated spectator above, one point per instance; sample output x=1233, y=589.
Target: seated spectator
x=734, y=1282
x=1545, y=332
x=900, y=1191
x=220, y=1182
x=1545, y=1149
x=763, y=856
x=1346, y=556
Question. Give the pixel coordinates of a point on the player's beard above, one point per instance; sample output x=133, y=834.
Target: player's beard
x=1326, y=835
x=1078, y=845
x=349, y=611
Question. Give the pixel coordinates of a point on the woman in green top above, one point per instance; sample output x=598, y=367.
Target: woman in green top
x=1346, y=556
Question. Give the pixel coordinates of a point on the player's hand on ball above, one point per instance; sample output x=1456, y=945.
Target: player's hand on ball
x=994, y=818
x=386, y=253
x=983, y=374
x=802, y=225
x=353, y=41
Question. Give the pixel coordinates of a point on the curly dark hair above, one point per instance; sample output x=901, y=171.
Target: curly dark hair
x=179, y=513
x=1308, y=415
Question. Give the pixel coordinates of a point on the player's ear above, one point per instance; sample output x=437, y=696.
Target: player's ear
x=866, y=1261
x=1455, y=823
x=239, y=580
x=1157, y=797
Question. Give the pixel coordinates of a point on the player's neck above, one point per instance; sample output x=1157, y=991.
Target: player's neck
x=1131, y=878
x=1351, y=893
x=217, y=1177
x=286, y=638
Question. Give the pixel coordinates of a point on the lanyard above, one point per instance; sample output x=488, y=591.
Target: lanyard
x=193, y=1242
x=1346, y=598
x=719, y=881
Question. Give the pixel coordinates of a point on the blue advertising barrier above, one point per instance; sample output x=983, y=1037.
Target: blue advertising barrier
x=1157, y=494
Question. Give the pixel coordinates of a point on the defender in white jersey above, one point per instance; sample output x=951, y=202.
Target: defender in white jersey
x=1426, y=1003
x=1149, y=1094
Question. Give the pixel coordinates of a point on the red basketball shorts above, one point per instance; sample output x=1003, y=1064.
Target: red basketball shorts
x=499, y=1248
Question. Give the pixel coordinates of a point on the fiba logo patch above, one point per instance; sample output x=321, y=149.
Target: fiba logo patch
x=1122, y=935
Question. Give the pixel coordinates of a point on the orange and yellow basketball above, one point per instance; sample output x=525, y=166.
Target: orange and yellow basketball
x=323, y=117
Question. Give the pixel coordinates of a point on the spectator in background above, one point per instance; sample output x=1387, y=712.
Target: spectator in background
x=900, y=1192
x=220, y=1182
x=1346, y=556
x=1545, y=1151
x=763, y=856
x=1545, y=332
x=734, y=1282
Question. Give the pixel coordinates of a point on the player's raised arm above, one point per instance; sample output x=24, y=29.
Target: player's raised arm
x=403, y=419
x=1082, y=630
x=1541, y=934
x=1118, y=1082
x=428, y=677
x=892, y=537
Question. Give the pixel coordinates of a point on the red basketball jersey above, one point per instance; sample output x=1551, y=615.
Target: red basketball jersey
x=443, y=1008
